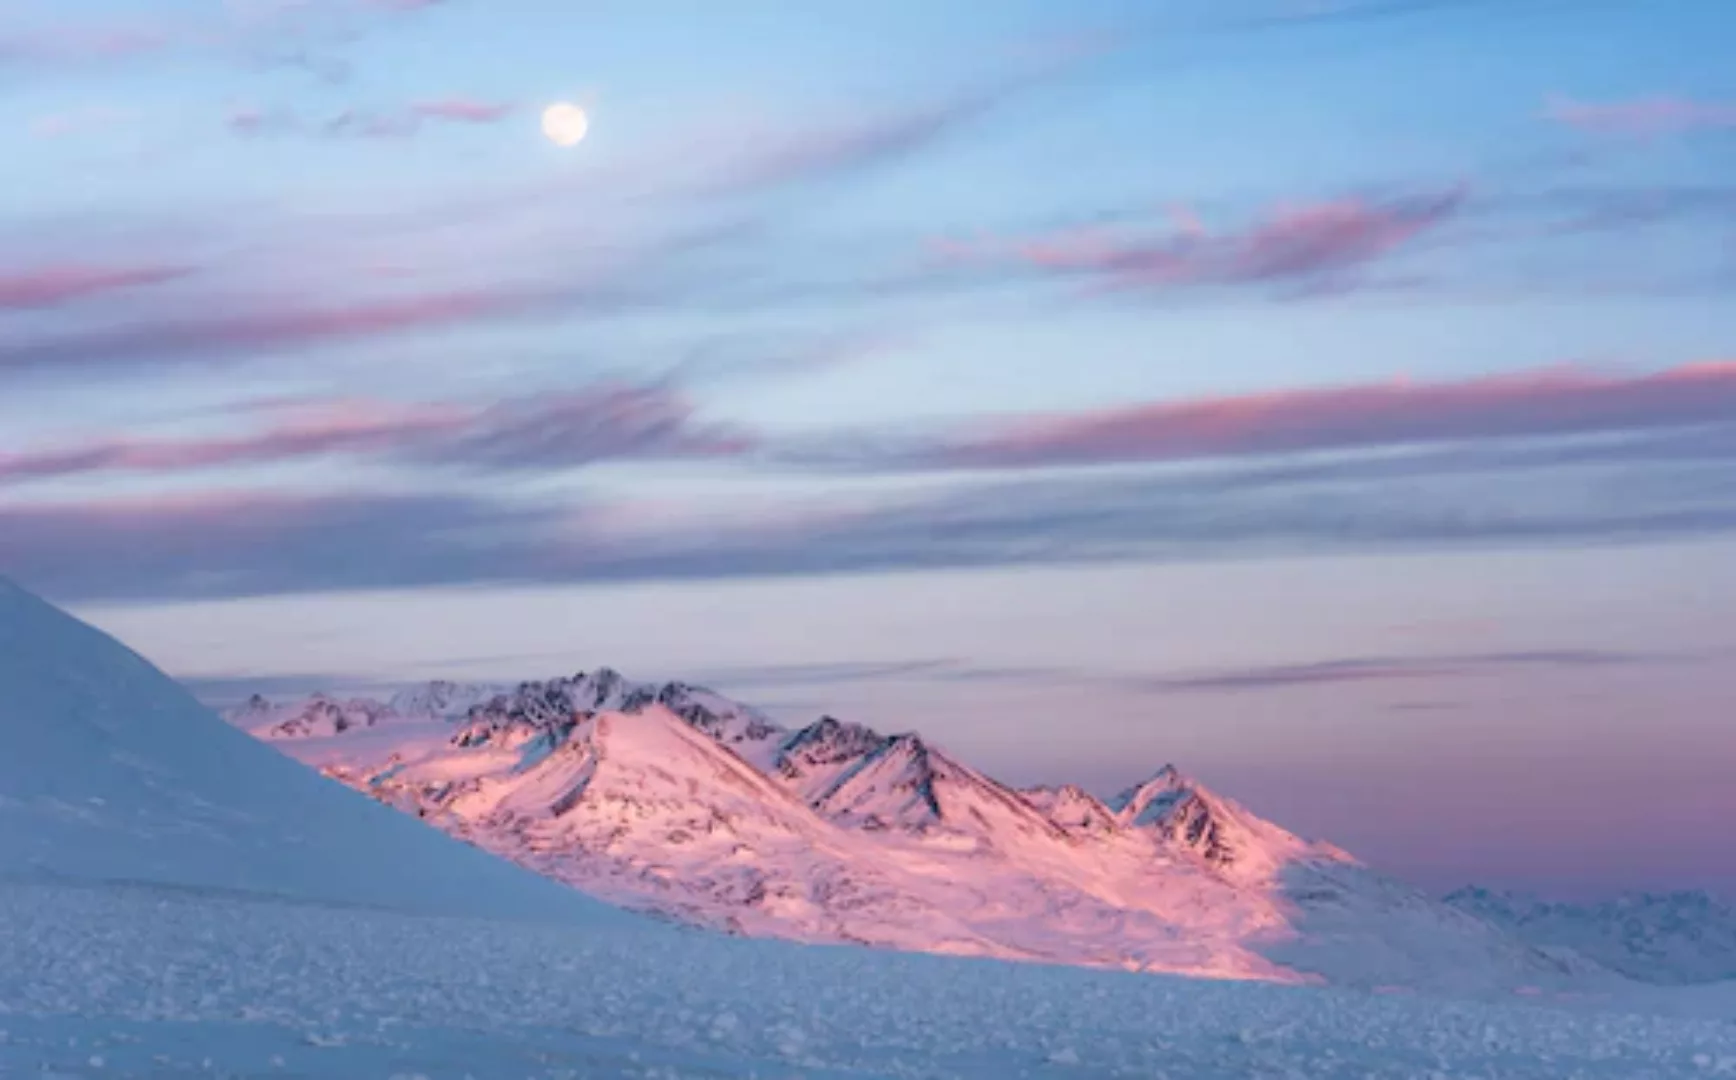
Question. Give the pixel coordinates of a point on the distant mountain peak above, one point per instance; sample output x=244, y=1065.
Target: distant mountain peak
x=1147, y=801
x=1072, y=808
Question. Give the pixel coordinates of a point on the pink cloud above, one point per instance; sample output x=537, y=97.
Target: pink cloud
x=223, y=335
x=365, y=124
x=1548, y=402
x=550, y=431
x=253, y=121
x=463, y=110
x=48, y=286
x=1300, y=243
x=83, y=44
x=1645, y=117
x=372, y=125
x=246, y=26
x=308, y=430
x=753, y=158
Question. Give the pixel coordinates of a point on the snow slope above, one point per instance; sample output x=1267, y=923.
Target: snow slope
x=110, y=771
x=1683, y=937
x=676, y=800
x=137, y=982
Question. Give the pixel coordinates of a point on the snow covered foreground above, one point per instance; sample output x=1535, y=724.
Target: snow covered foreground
x=136, y=981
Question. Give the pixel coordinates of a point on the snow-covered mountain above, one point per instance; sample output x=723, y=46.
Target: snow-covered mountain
x=675, y=799
x=178, y=900
x=111, y=772
x=1681, y=937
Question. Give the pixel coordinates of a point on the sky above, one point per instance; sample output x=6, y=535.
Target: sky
x=1336, y=398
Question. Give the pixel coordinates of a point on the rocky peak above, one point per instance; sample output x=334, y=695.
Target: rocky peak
x=1072, y=808
x=1152, y=800
x=829, y=740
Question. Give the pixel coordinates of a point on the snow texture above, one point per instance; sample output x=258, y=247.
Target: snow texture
x=134, y=981
x=1683, y=937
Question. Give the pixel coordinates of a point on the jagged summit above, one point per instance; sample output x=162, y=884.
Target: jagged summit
x=1146, y=802
x=1073, y=808
x=488, y=713
x=894, y=783
x=812, y=760
x=1194, y=819
x=441, y=698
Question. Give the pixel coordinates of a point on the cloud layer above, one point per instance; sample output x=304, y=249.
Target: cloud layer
x=229, y=545
x=1310, y=245
x=1553, y=402
x=1651, y=117
x=544, y=433
x=353, y=123
x=51, y=286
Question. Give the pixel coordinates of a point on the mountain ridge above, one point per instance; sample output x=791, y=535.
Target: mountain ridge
x=672, y=798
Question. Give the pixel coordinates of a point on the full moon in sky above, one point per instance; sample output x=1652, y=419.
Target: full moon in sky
x=565, y=124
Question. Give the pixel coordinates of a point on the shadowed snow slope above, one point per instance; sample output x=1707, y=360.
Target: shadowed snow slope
x=674, y=799
x=110, y=771
x=1683, y=937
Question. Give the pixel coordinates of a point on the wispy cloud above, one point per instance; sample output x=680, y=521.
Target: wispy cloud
x=400, y=123
x=50, y=286
x=463, y=110
x=774, y=158
x=253, y=121
x=1310, y=245
x=229, y=322
x=82, y=43
x=548, y=432
x=1394, y=669
x=238, y=545
x=1548, y=402
x=1652, y=117
x=823, y=674
x=1299, y=13
x=289, y=32
x=228, y=336
x=227, y=545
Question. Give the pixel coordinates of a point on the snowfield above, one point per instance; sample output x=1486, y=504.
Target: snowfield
x=132, y=981
x=177, y=899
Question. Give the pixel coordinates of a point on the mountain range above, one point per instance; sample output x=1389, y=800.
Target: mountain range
x=672, y=799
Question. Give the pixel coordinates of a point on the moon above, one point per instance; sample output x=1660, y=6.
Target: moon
x=565, y=124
